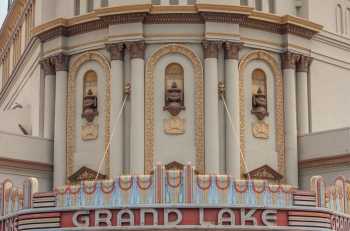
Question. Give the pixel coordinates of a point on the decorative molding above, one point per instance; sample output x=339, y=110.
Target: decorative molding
x=211, y=49
x=149, y=103
x=124, y=18
x=174, y=18
x=304, y=63
x=24, y=164
x=279, y=105
x=61, y=62
x=232, y=50
x=48, y=66
x=265, y=172
x=116, y=51
x=85, y=174
x=71, y=105
x=148, y=14
x=136, y=49
x=325, y=161
x=289, y=60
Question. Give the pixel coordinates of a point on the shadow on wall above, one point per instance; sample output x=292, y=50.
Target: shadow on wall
x=17, y=120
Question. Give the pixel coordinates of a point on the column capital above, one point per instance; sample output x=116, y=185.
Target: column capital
x=48, y=66
x=136, y=49
x=61, y=62
x=211, y=49
x=303, y=63
x=116, y=50
x=289, y=60
x=231, y=49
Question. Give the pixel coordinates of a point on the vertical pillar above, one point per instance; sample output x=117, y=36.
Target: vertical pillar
x=137, y=73
x=117, y=92
x=302, y=95
x=212, y=163
x=61, y=63
x=49, y=98
x=291, y=145
x=233, y=149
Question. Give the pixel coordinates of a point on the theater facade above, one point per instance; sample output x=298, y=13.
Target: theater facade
x=200, y=115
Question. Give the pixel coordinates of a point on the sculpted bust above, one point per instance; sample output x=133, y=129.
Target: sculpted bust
x=173, y=100
x=259, y=103
x=90, y=107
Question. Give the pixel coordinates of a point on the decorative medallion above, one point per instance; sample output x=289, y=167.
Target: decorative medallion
x=260, y=129
x=89, y=131
x=174, y=125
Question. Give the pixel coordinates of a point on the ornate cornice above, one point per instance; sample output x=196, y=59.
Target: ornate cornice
x=183, y=18
x=48, y=66
x=211, y=49
x=116, y=51
x=289, y=60
x=224, y=17
x=231, y=50
x=61, y=62
x=136, y=49
x=124, y=18
x=303, y=63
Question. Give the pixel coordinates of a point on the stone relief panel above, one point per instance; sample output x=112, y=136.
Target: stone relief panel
x=261, y=112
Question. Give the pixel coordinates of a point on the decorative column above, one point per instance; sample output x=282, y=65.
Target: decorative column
x=212, y=163
x=61, y=63
x=291, y=144
x=137, y=73
x=233, y=156
x=117, y=93
x=302, y=94
x=49, y=98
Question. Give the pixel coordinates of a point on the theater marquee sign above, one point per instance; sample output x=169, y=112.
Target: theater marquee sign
x=175, y=217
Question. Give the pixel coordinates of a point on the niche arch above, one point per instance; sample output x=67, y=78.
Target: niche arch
x=74, y=68
x=149, y=103
x=279, y=104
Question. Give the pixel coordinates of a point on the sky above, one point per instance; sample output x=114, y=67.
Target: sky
x=3, y=10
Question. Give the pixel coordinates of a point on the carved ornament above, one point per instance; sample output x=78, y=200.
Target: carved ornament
x=61, y=62
x=174, y=125
x=260, y=130
x=211, y=49
x=232, y=50
x=85, y=174
x=116, y=51
x=265, y=172
x=48, y=67
x=303, y=63
x=289, y=60
x=136, y=49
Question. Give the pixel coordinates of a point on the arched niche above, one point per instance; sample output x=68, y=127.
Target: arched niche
x=263, y=63
x=79, y=69
x=192, y=60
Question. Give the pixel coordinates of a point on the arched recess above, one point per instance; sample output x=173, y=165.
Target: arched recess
x=149, y=103
x=71, y=107
x=279, y=111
